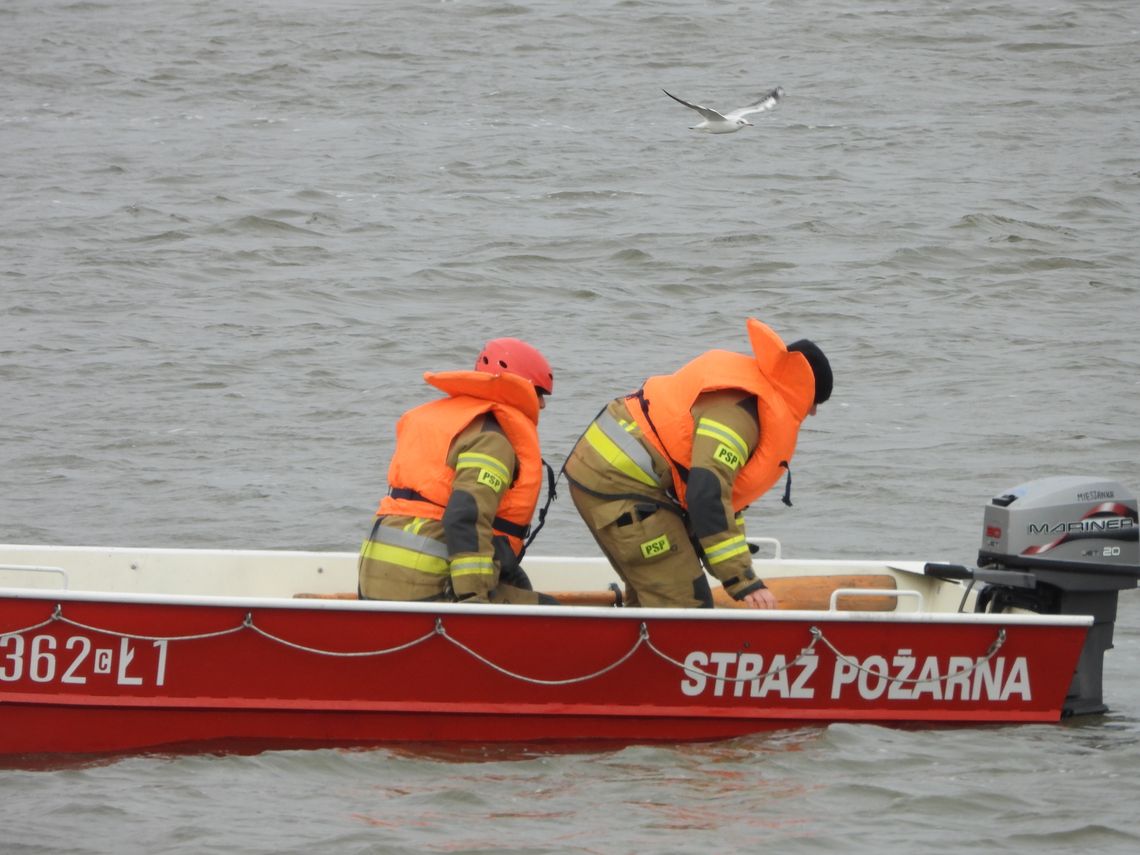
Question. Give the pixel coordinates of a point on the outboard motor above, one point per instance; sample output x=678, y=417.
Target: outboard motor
x=1063, y=545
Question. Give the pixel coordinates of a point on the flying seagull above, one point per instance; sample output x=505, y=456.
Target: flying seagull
x=728, y=123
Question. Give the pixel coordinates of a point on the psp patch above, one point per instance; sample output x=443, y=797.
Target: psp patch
x=492, y=480
x=728, y=457
x=655, y=547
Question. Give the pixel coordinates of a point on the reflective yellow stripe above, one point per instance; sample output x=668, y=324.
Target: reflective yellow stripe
x=475, y=566
x=475, y=460
x=614, y=456
x=723, y=433
x=726, y=549
x=402, y=557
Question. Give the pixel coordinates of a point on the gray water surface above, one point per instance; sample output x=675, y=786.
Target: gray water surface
x=234, y=234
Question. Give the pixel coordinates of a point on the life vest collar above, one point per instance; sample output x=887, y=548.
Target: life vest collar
x=788, y=371
x=508, y=389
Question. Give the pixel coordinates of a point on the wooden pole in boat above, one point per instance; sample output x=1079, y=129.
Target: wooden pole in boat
x=807, y=593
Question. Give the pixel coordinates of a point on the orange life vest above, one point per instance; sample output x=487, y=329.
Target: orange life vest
x=424, y=436
x=784, y=387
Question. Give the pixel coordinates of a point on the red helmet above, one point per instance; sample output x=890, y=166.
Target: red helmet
x=512, y=356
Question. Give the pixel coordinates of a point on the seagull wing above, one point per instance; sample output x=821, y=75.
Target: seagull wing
x=711, y=115
x=766, y=103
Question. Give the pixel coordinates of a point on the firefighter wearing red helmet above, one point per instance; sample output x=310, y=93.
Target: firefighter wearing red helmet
x=515, y=356
x=463, y=482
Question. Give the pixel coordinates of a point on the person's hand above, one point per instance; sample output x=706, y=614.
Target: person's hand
x=761, y=598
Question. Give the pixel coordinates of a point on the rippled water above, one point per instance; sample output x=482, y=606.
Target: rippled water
x=837, y=789
x=234, y=234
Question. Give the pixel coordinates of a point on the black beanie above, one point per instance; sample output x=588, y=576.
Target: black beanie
x=820, y=367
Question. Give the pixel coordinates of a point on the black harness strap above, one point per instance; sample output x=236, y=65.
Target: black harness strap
x=787, y=499
x=510, y=528
x=505, y=526
x=683, y=471
x=408, y=493
x=634, y=497
x=551, y=495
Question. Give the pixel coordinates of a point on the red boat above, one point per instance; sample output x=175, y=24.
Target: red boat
x=111, y=649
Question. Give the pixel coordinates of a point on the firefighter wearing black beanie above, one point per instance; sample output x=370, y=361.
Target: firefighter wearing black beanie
x=662, y=475
x=820, y=367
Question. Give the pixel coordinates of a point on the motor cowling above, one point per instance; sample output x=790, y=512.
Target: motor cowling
x=1063, y=545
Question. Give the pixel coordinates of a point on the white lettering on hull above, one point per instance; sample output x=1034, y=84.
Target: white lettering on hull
x=749, y=676
x=42, y=659
x=902, y=677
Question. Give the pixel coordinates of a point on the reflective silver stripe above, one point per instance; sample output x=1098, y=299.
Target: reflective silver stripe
x=408, y=540
x=632, y=449
x=725, y=549
x=475, y=565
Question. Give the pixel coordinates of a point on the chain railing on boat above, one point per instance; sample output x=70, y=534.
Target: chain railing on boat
x=991, y=651
x=643, y=639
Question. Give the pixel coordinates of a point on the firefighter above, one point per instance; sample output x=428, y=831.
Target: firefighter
x=661, y=477
x=463, y=486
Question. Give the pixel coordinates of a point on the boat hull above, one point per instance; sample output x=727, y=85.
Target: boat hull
x=88, y=672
